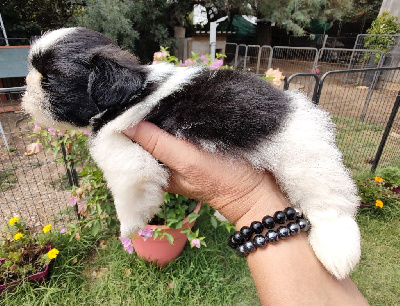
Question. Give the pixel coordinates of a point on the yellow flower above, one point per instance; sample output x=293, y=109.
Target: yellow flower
x=46, y=228
x=13, y=220
x=18, y=236
x=53, y=253
x=379, y=203
x=378, y=179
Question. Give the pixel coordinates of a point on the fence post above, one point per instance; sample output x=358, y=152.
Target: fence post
x=71, y=173
x=386, y=132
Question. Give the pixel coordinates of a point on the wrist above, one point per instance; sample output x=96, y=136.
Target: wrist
x=264, y=199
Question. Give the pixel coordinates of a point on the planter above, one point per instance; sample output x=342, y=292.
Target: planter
x=35, y=278
x=161, y=251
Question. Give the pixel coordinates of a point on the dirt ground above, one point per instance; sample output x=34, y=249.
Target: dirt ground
x=31, y=186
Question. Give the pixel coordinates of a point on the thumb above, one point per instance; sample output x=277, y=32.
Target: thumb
x=163, y=146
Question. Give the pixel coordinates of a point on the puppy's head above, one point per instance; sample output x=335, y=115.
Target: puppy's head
x=76, y=74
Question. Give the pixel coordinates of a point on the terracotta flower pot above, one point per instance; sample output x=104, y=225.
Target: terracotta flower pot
x=35, y=278
x=161, y=251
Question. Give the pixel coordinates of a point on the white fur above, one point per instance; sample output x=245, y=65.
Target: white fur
x=49, y=39
x=135, y=177
x=309, y=169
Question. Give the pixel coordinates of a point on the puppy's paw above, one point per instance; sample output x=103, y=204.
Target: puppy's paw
x=336, y=243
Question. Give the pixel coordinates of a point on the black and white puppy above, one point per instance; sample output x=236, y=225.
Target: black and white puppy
x=80, y=79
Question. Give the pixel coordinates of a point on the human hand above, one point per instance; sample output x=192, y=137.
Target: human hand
x=233, y=187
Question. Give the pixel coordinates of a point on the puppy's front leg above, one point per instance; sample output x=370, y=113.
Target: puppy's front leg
x=135, y=178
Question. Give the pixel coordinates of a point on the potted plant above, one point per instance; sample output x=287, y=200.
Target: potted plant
x=24, y=255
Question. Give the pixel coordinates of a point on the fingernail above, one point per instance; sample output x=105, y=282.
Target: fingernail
x=130, y=131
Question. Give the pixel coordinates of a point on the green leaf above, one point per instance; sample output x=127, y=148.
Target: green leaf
x=213, y=221
x=170, y=238
x=95, y=228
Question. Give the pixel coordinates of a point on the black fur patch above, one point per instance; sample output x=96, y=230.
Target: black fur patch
x=228, y=108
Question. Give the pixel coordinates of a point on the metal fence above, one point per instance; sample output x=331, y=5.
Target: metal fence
x=367, y=119
x=290, y=60
x=389, y=42
x=31, y=186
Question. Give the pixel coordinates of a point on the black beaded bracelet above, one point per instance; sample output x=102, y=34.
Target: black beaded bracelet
x=244, y=244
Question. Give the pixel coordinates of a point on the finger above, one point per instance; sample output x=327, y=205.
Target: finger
x=163, y=146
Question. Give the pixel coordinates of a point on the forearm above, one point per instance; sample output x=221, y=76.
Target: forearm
x=287, y=272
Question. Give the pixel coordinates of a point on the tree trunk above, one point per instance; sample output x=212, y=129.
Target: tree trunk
x=264, y=33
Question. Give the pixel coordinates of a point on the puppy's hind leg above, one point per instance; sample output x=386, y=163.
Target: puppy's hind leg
x=135, y=178
x=309, y=169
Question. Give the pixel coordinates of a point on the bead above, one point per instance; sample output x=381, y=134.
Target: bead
x=283, y=232
x=272, y=236
x=268, y=222
x=299, y=213
x=238, y=237
x=259, y=241
x=257, y=227
x=294, y=228
x=290, y=213
x=246, y=232
x=304, y=224
x=241, y=251
x=280, y=217
x=249, y=247
x=232, y=243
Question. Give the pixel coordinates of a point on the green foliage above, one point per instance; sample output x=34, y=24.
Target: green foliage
x=93, y=200
x=113, y=18
x=296, y=15
x=380, y=195
x=24, y=253
x=385, y=25
x=24, y=18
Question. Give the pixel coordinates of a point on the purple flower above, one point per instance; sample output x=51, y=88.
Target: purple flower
x=73, y=201
x=127, y=243
x=61, y=133
x=196, y=243
x=63, y=230
x=145, y=233
x=216, y=64
x=51, y=131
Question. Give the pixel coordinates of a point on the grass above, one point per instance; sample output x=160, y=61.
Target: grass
x=97, y=270
x=7, y=179
x=359, y=142
x=109, y=275
x=377, y=275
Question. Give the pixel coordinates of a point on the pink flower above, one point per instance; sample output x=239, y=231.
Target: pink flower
x=37, y=128
x=61, y=133
x=85, y=132
x=189, y=62
x=73, y=201
x=160, y=55
x=127, y=243
x=216, y=64
x=34, y=148
x=145, y=233
x=205, y=59
x=196, y=243
x=51, y=131
x=63, y=230
x=276, y=75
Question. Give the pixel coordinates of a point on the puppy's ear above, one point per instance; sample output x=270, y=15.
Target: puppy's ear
x=112, y=85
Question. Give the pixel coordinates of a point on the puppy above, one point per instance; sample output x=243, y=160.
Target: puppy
x=80, y=79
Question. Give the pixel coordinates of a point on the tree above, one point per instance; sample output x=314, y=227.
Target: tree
x=295, y=15
x=25, y=18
